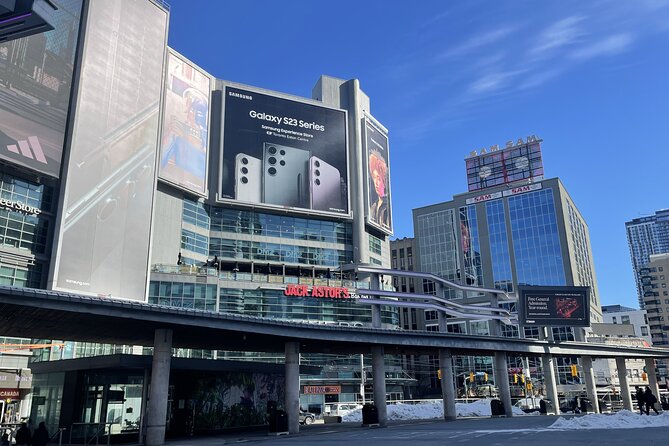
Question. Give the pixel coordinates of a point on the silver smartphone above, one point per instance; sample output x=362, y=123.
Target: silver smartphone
x=285, y=175
x=324, y=186
x=248, y=178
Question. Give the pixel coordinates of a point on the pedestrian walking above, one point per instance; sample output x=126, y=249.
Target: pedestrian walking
x=650, y=400
x=23, y=435
x=640, y=399
x=41, y=435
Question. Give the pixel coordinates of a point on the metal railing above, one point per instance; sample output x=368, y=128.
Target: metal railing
x=91, y=432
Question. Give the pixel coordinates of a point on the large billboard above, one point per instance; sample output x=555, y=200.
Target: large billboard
x=559, y=306
x=496, y=166
x=185, y=138
x=35, y=85
x=377, y=166
x=104, y=231
x=283, y=153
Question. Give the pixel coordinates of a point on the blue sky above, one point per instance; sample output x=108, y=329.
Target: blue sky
x=447, y=77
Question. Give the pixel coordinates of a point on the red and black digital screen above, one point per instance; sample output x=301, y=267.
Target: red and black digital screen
x=554, y=306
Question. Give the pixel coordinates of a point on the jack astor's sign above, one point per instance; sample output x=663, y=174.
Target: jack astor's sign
x=317, y=291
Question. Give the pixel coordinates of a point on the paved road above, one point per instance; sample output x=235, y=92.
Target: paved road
x=477, y=432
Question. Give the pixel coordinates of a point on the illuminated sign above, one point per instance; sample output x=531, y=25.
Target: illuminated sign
x=10, y=393
x=554, y=306
x=509, y=144
x=322, y=390
x=506, y=193
x=18, y=206
x=317, y=291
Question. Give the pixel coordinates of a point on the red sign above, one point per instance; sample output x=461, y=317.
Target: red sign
x=322, y=390
x=317, y=291
x=10, y=393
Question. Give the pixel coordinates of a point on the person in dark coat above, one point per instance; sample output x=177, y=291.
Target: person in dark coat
x=650, y=401
x=23, y=435
x=640, y=399
x=41, y=435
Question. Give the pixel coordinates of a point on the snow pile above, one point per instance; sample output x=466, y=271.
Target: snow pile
x=620, y=420
x=429, y=410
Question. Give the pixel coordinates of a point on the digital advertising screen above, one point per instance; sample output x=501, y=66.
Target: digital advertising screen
x=283, y=153
x=565, y=306
x=185, y=136
x=377, y=167
x=103, y=240
x=35, y=85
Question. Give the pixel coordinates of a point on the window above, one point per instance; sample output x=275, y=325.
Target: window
x=375, y=245
x=625, y=320
x=614, y=320
x=644, y=330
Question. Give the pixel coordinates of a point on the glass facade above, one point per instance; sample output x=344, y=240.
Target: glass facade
x=536, y=243
x=438, y=244
x=581, y=252
x=471, y=247
x=183, y=295
x=499, y=246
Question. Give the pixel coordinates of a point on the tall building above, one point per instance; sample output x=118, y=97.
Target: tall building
x=129, y=172
x=655, y=282
x=513, y=228
x=647, y=236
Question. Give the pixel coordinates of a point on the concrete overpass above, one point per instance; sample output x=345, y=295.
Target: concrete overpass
x=55, y=315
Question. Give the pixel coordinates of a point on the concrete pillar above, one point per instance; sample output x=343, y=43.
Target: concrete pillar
x=376, y=316
x=502, y=382
x=447, y=383
x=292, y=402
x=590, y=385
x=624, y=384
x=379, y=377
x=548, y=367
x=442, y=322
x=652, y=377
x=160, y=383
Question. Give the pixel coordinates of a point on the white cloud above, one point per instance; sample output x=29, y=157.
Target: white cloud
x=477, y=42
x=608, y=46
x=562, y=33
x=493, y=81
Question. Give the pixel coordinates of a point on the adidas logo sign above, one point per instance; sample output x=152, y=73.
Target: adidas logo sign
x=29, y=149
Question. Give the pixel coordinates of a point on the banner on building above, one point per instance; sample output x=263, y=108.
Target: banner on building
x=559, y=306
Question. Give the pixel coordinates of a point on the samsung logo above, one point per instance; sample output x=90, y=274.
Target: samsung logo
x=240, y=96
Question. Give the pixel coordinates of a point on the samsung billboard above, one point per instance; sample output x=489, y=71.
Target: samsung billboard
x=377, y=167
x=185, y=135
x=35, y=86
x=283, y=153
x=558, y=306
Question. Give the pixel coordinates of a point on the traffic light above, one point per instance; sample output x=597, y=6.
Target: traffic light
x=515, y=378
x=522, y=378
x=471, y=377
x=438, y=373
x=574, y=370
x=485, y=377
x=528, y=386
x=644, y=376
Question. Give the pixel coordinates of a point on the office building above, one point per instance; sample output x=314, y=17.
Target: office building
x=514, y=227
x=655, y=283
x=647, y=236
x=636, y=319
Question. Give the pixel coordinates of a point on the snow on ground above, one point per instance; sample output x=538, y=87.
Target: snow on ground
x=429, y=410
x=620, y=420
x=481, y=408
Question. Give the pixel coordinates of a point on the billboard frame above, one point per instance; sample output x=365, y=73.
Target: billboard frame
x=212, y=87
x=367, y=118
x=553, y=292
x=222, y=85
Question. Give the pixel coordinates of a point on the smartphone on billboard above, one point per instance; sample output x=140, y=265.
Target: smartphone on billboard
x=324, y=186
x=285, y=175
x=248, y=178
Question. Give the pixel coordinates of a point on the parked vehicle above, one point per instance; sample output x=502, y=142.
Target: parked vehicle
x=340, y=409
x=529, y=404
x=306, y=418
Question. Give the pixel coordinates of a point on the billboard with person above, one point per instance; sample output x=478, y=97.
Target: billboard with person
x=185, y=136
x=377, y=163
x=554, y=306
x=35, y=86
x=283, y=153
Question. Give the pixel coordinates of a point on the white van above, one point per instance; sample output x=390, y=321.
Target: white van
x=340, y=409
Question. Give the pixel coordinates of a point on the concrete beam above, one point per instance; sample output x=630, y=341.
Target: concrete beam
x=160, y=383
x=292, y=402
x=379, y=381
x=652, y=377
x=590, y=383
x=447, y=384
x=502, y=382
x=624, y=383
x=548, y=368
